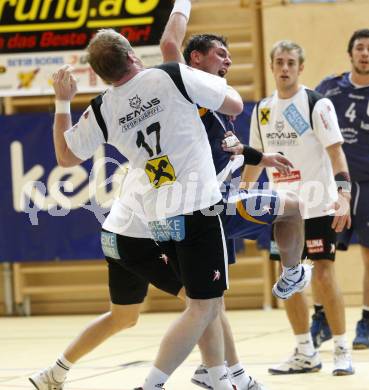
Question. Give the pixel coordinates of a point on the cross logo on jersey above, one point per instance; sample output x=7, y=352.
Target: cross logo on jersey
x=160, y=171
x=265, y=115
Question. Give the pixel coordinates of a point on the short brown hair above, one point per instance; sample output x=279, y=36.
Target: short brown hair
x=107, y=54
x=288, y=46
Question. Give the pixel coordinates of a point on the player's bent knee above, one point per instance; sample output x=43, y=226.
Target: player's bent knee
x=124, y=317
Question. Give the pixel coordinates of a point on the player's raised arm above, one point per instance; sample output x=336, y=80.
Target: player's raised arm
x=174, y=32
x=65, y=88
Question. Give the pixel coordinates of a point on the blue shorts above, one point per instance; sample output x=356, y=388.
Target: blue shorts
x=359, y=215
x=248, y=213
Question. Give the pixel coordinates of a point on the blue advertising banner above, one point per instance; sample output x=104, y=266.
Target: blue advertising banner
x=52, y=213
x=48, y=212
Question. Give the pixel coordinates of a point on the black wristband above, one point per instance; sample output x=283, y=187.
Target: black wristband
x=343, y=181
x=251, y=155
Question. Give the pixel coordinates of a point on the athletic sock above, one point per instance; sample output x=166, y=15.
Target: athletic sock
x=305, y=344
x=61, y=368
x=340, y=342
x=366, y=313
x=318, y=308
x=219, y=378
x=239, y=376
x=155, y=380
x=293, y=273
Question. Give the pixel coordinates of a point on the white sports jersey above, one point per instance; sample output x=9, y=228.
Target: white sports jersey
x=284, y=126
x=153, y=121
x=126, y=216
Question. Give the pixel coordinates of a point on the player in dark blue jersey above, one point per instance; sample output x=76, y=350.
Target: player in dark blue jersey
x=248, y=216
x=349, y=93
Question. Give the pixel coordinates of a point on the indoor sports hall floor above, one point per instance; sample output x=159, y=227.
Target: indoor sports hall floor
x=263, y=338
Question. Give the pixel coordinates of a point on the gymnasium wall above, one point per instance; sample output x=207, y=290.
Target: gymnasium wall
x=323, y=30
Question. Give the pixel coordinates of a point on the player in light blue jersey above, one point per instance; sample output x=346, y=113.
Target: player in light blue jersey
x=349, y=93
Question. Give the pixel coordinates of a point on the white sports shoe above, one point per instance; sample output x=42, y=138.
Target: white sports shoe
x=284, y=288
x=342, y=362
x=255, y=385
x=44, y=380
x=201, y=378
x=298, y=363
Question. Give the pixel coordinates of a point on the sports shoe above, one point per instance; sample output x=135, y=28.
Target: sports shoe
x=361, y=340
x=201, y=377
x=284, y=288
x=342, y=362
x=298, y=363
x=255, y=385
x=320, y=330
x=44, y=380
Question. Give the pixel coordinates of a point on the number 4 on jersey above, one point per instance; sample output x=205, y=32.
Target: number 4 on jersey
x=351, y=112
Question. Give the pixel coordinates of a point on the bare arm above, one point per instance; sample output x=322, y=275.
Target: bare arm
x=232, y=104
x=173, y=36
x=65, y=88
x=339, y=165
x=250, y=175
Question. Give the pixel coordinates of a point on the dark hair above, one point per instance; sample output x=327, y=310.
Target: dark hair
x=202, y=43
x=107, y=53
x=363, y=33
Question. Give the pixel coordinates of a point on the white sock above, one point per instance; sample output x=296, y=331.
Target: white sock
x=61, y=368
x=239, y=376
x=219, y=378
x=292, y=273
x=305, y=344
x=155, y=379
x=340, y=341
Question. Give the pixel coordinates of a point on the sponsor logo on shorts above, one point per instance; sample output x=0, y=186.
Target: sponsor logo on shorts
x=109, y=245
x=295, y=119
x=172, y=228
x=293, y=176
x=216, y=275
x=165, y=258
x=315, y=246
x=333, y=248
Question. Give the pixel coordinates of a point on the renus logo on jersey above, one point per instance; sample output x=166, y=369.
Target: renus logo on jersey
x=140, y=112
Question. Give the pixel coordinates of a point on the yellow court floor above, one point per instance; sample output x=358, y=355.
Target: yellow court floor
x=263, y=339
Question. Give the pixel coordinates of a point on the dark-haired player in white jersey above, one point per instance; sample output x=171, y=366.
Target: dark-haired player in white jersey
x=349, y=93
x=303, y=126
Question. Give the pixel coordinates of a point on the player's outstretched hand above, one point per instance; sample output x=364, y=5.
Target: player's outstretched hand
x=64, y=83
x=342, y=214
x=276, y=160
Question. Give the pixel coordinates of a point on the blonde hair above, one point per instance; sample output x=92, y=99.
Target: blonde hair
x=107, y=53
x=286, y=45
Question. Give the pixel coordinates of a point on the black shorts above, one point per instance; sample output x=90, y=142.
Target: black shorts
x=133, y=264
x=320, y=240
x=197, y=250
